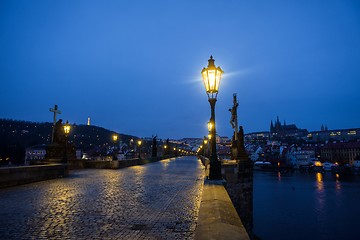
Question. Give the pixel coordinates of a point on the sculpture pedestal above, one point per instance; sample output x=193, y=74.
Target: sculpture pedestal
x=56, y=153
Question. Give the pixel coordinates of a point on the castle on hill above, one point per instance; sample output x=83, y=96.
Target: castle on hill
x=278, y=130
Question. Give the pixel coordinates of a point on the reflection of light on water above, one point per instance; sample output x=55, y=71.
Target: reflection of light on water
x=279, y=176
x=337, y=183
x=319, y=182
x=320, y=196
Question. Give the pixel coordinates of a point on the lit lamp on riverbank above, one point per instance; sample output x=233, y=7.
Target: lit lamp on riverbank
x=211, y=77
x=67, y=128
x=139, y=142
x=115, y=138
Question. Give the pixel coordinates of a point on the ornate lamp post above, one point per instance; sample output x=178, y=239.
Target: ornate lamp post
x=115, y=138
x=139, y=142
x=67, y=128
x=211, y=77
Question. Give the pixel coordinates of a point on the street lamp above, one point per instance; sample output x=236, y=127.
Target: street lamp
x=211, y=77
x=139, y=142
x=165, y=150
x=205, y=146
x=115, y=138
x=209, y=125
x=67, y=128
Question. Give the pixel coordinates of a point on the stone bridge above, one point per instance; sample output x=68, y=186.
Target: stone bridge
x=154, y=201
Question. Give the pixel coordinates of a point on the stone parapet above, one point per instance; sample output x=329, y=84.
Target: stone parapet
x=12, y=176
x=218, y=218
x=116, y=164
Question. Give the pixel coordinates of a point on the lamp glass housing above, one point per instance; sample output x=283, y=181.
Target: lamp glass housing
x=211, y=77
x=115, y=138
x=210, y=126
x=67, y=128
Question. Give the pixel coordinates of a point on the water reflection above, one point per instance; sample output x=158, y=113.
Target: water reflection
x=319, y=182
x=337, y=184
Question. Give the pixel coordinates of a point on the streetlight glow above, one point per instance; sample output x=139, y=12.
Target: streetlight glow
x=211, y=77
x=210, y=126
x=67, y=128
x=115, y=137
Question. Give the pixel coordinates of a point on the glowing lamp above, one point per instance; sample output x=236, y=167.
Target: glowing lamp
x=210, y=126
x=115, y=137
x=211, y=77
x=67, y=128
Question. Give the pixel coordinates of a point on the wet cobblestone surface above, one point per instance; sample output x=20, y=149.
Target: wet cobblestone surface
x=153, y=201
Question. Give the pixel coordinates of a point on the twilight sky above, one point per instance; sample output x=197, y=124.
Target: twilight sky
x=134, y=66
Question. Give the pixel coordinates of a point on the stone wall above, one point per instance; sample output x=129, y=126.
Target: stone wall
x=13, y=176
x=116, y=164
x=239, y=185
x=218, y=218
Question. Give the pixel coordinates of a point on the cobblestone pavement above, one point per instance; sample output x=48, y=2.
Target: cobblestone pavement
x=153, y=201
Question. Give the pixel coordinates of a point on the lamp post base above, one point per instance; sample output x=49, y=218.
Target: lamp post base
x=215, y=170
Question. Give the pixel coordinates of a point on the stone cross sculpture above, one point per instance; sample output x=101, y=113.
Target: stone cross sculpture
x=233, y=119
x=55, y=111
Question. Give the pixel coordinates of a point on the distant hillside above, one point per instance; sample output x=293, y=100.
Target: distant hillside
x=15, y=136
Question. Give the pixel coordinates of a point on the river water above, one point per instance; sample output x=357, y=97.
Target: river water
x=306, y=206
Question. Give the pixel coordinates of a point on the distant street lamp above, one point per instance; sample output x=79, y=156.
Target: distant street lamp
x=139, y=142
x=210, y=126
x=205, y=147
x=67, y=128
x=211, y=77
x=115, y=138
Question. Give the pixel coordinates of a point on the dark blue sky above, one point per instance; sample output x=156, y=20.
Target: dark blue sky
x=134, y=66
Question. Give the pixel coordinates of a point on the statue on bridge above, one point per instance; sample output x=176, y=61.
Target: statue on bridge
x=242, y=185
x=154, y=147
x=59, y=135
x=237, y=146
x=58, y=151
